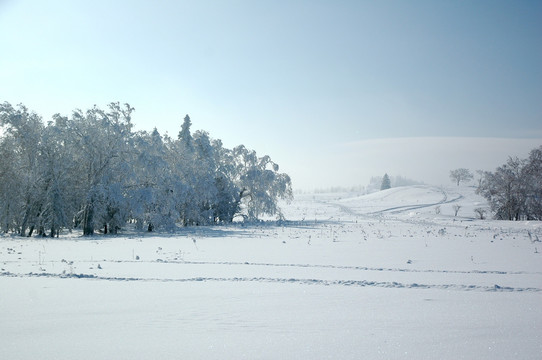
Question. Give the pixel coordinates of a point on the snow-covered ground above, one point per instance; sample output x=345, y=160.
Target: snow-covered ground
x=390, y=275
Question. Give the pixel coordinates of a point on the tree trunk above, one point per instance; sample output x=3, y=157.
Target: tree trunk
x=7, y=219
x=88, y=220
x=25, y=222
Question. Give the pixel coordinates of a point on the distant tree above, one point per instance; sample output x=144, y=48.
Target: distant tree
x=480, y=177
x=374, y=184
x=456, y=209
x=403, y=181
x=460, y=174
x=386, y=184
x=481, y=212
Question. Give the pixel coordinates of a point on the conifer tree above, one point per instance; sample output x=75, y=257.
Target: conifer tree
x=386, y=184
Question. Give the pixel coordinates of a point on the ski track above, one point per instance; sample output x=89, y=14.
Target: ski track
x=355, y=283
x=379, y=215
x=398, y=209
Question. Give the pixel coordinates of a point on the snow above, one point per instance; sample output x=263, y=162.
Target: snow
x=379, y=276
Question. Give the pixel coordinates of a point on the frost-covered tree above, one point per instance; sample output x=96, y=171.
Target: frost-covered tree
x=260, y=183
x=185, y=137
x=57, y=167
x=11, y=195
x=532, y=178
x=22, y=131
x=153, y=204
x=37, y=169
x=514, y=190
x=460, y=175
x=205, y=185
x=386, y=183
x=188, y=171
x=503, y=190
x=104, y=142
x=228, y=193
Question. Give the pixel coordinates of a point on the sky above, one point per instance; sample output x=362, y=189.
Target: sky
x=334, y=91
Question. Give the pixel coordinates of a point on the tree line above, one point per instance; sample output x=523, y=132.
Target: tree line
x=92, y=171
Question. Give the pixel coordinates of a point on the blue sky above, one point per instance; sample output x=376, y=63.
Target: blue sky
x=301, y=81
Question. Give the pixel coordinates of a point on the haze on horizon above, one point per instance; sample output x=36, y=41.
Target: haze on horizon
x=334, y=92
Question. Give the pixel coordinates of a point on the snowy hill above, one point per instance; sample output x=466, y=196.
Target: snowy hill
x=379, y=276
x=419, y=199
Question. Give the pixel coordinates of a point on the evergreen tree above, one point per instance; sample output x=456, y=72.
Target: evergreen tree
x=386, y=183
x=185, y=137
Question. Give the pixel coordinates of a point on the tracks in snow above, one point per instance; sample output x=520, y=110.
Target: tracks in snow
x=439, y=283
x=361, y=268
x=350, y=283
x=313, y=266
x=399, y=209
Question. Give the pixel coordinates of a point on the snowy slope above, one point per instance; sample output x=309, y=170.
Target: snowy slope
x=380, y=276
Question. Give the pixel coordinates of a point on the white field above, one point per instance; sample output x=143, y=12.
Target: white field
x=381, y=276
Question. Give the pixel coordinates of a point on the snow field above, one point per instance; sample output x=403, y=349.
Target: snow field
x=66, y=318
x=380, y=276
